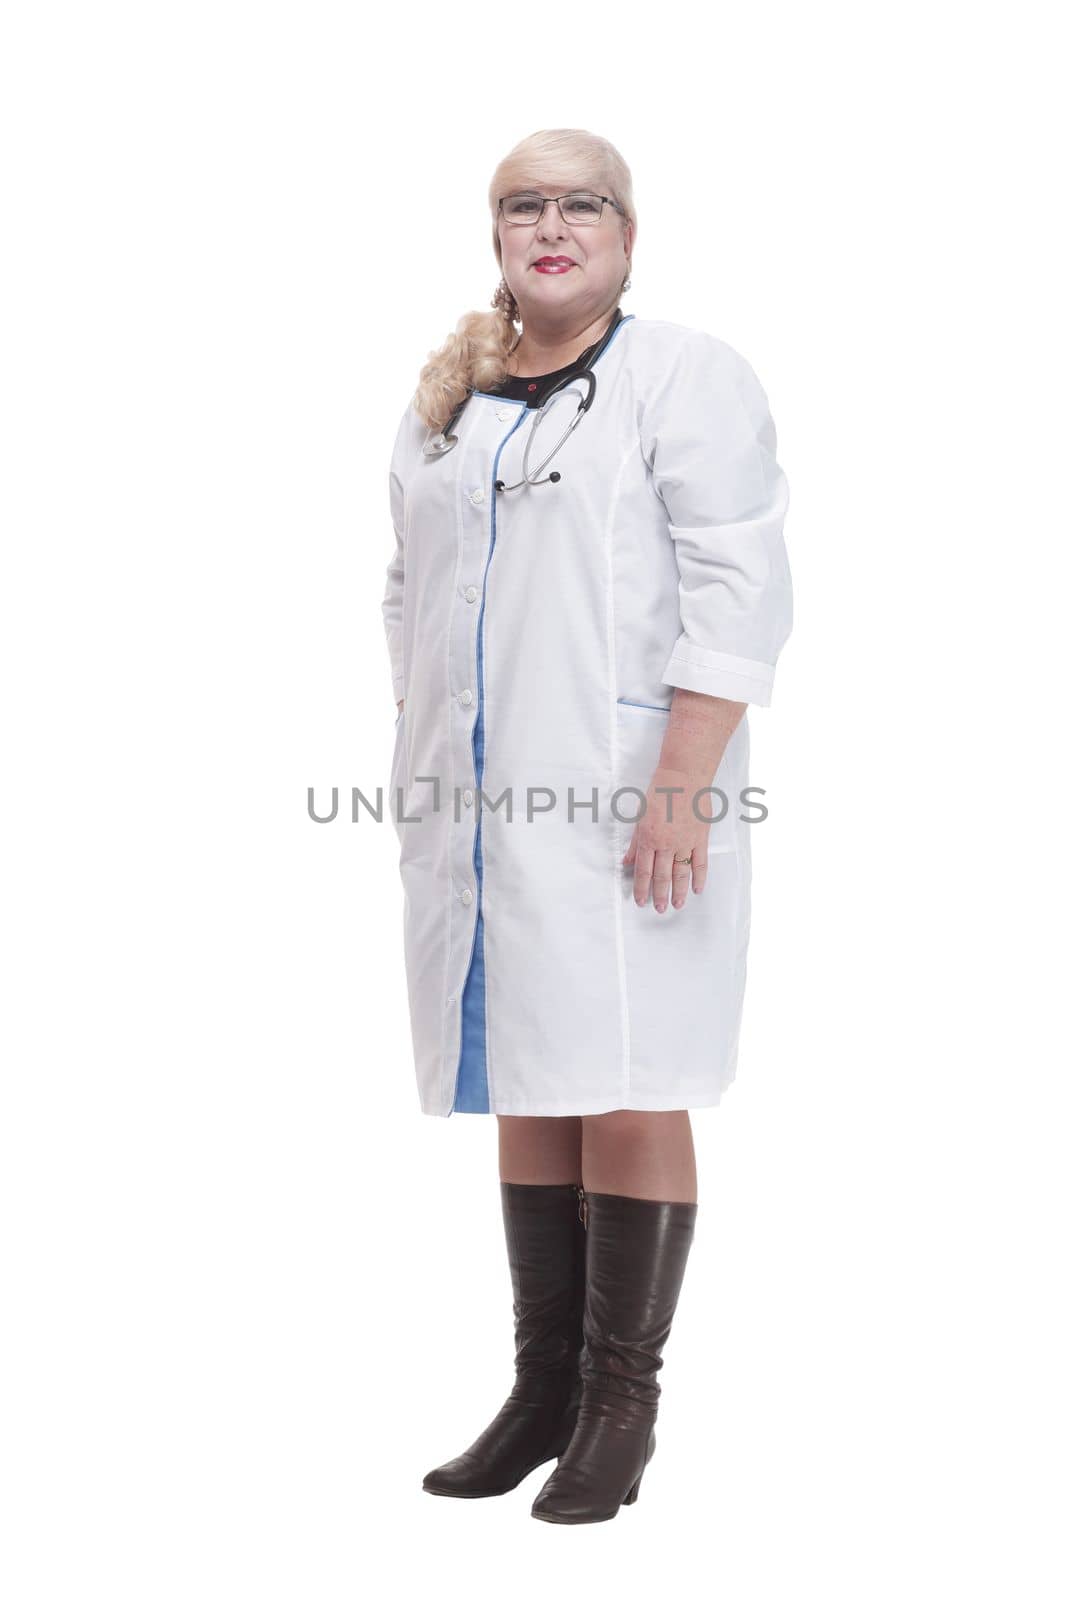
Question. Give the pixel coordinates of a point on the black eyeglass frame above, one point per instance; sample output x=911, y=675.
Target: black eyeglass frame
x=555, y=198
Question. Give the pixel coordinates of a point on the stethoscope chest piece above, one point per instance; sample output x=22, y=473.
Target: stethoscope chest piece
x=440, y=444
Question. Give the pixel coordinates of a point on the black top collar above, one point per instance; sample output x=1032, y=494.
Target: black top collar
x=532, y=389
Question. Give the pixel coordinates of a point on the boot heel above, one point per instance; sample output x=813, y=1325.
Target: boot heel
x=649, y=1451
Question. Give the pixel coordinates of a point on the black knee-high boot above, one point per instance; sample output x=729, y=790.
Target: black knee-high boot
x=545, y=1237
x=636, y=1253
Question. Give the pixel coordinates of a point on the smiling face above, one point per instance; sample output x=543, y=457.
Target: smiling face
x=553, y=294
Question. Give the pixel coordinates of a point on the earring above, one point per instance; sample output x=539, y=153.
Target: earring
x=626, y=284
x=506, y=302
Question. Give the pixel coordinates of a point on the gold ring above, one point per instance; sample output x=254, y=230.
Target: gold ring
x=682, y=861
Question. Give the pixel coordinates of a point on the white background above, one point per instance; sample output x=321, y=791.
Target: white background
x=252, y=1293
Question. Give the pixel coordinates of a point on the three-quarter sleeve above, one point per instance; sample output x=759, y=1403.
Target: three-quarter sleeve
x=709, y=441
x=393, y=602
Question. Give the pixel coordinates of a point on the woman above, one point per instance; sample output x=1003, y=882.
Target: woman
x=573, y=646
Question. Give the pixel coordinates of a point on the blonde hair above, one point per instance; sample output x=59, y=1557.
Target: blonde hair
x=476, y=355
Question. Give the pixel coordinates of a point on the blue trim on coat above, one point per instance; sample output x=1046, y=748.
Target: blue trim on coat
x=622, y=701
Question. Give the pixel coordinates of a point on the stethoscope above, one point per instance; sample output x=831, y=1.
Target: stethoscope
x=441, y=443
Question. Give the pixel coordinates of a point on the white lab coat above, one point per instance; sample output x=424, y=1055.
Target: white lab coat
x=555, y=621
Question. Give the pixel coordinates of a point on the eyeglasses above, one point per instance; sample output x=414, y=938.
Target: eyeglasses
x=578, y=209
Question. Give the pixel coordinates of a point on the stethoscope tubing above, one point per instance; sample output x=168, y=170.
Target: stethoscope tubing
x=553, y=477
x=446, y=440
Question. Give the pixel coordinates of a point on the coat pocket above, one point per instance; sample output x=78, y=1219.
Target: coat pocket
x=640, y=729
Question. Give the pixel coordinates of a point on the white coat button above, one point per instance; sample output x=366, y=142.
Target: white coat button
x=466, y=897
x=471, y=592
x=465, y=698
x=477, y=497
x=503, y=414
x=468, y=797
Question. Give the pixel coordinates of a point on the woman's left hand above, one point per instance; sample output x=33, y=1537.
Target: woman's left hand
x=671, y=827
